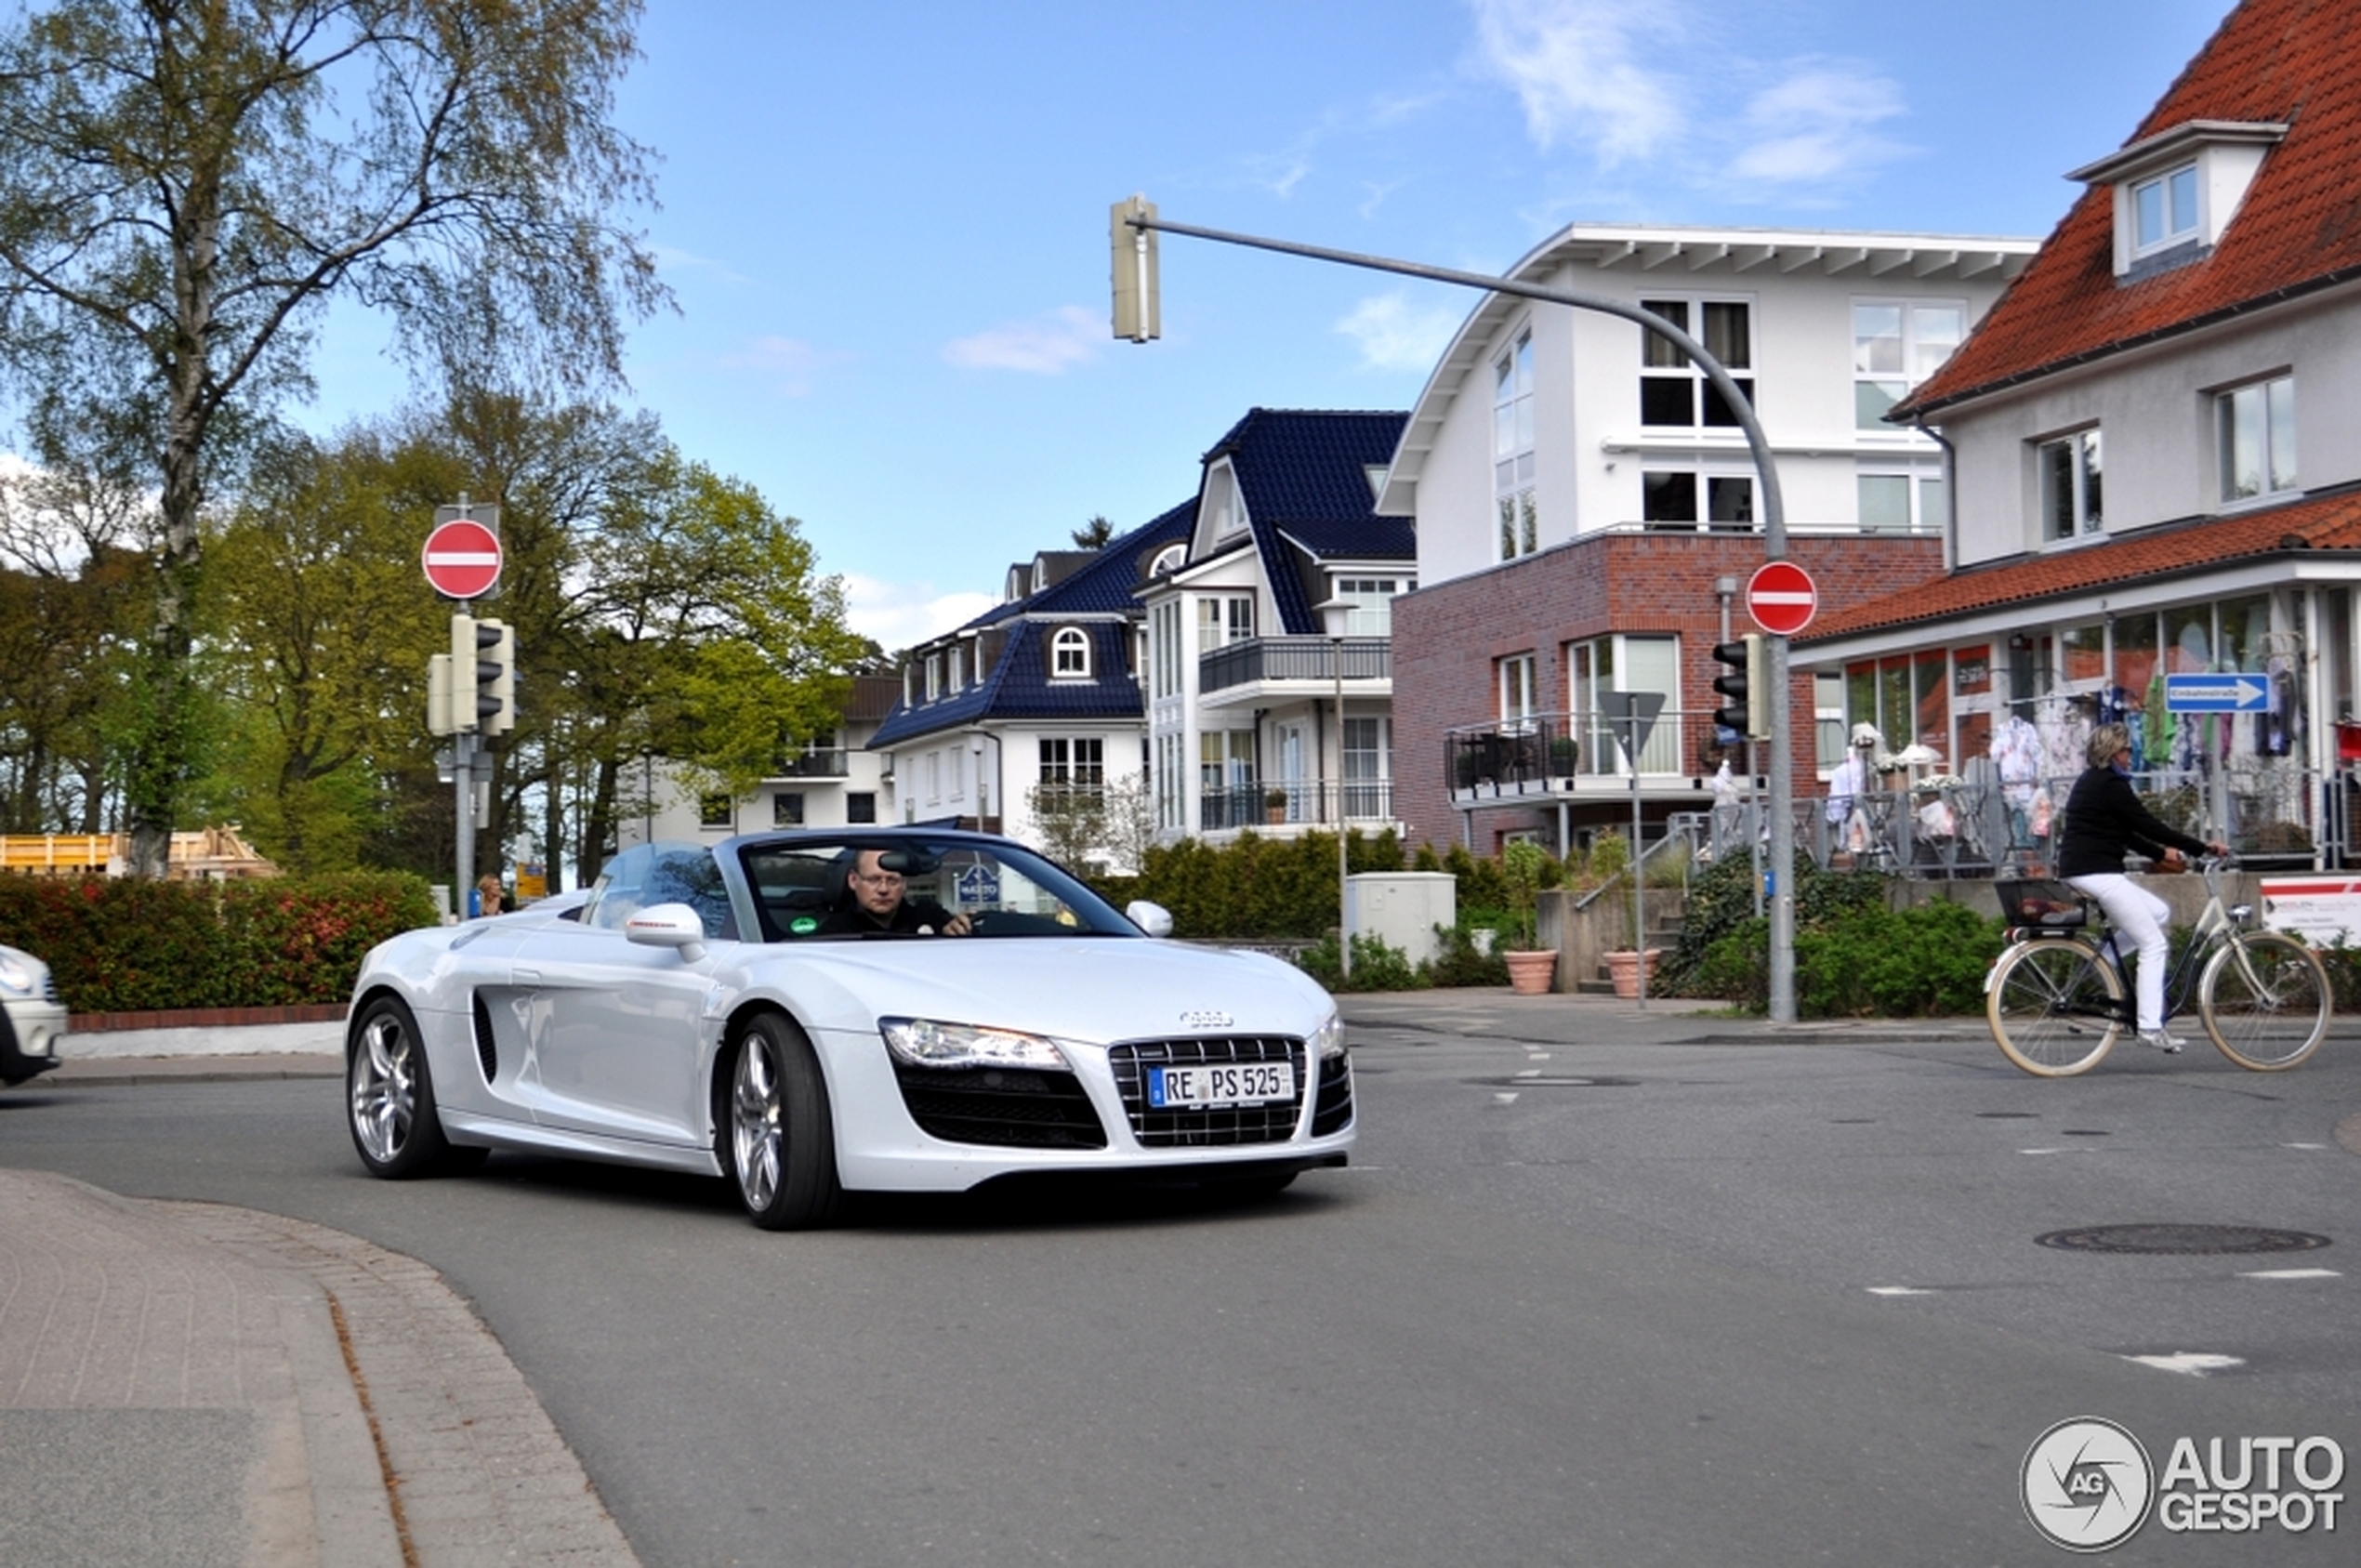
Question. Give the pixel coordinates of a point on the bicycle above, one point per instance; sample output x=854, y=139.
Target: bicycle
x=2057, y=999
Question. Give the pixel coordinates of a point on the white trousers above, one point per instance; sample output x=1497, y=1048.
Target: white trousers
x=2138, y=917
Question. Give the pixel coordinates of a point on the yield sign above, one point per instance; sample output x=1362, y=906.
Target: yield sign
x=462, y=559
x=1781, y=597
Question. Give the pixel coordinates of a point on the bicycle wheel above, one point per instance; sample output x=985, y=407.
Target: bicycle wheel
x=2054, y=1007
x=2270, y=1011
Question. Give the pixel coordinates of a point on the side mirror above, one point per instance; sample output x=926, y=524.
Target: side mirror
x=1153, y=918
x=668, y=925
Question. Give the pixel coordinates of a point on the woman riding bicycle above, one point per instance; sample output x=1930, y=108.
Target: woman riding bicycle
x=2104, y=822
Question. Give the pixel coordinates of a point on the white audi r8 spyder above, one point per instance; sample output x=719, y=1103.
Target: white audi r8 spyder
x=743, y=1009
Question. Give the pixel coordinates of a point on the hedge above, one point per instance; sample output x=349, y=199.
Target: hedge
x=126, y=945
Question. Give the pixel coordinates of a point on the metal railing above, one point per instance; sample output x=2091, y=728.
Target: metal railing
x=813, y=762
x=1305, y=803
x=1294, y=659
x=1558, y=753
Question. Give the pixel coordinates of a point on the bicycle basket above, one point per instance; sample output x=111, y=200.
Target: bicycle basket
x=2044, y=906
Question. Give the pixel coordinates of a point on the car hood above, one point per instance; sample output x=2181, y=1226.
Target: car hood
x=1084, y=988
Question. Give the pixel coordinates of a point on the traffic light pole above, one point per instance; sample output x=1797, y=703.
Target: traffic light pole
x=1141, y=216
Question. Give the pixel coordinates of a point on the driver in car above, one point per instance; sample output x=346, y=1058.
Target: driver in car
x=880, y=902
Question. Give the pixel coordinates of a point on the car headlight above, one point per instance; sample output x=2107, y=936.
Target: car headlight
x=16, y=975
x=925, y=1042
x=1327, y=1041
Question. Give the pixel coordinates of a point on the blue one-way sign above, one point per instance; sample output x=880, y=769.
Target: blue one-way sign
x=2231, y=692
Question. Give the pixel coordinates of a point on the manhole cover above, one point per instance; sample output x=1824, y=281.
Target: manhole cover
x=2182, y=1239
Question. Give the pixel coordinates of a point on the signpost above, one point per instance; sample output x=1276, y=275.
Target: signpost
x=462, y=559
x=2229, y=692
x=1782, y=597
x=1634, y=713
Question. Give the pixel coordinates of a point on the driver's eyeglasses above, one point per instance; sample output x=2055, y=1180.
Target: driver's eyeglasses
x=879, y=879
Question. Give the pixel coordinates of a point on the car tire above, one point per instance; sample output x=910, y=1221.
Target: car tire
x=775, y=1137
x=389, y=1095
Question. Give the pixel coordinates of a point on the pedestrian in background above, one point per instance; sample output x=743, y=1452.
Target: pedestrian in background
x=488, y=894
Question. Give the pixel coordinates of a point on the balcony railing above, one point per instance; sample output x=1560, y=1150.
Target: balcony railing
x=1560, y=753
x=1295, y=659
x=813, y=762
x=1309, y=803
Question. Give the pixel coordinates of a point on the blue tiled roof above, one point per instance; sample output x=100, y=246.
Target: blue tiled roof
x=1018, y=685
x=1304, y=476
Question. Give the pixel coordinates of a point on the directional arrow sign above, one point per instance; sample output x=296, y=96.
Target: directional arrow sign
x=2216, y=693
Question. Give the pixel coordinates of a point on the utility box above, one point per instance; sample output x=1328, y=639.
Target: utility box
x=1402, y=909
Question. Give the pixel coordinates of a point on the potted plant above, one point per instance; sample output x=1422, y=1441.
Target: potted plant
x=1274, y=805
x=1562, y=753
x=1533, y=970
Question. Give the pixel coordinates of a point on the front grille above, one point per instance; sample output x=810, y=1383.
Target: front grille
x=1274, y=1123
x=1008, y=1108
x=1333, y=1110
x=487, y=1053
x=49, y=987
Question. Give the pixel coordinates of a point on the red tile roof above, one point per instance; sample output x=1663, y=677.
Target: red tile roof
x=2324, y=522
x=2296, y=61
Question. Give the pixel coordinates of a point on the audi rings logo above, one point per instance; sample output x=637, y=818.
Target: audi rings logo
x=2087, y=1485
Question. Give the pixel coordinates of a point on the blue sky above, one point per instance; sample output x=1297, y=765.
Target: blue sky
x=886, y=224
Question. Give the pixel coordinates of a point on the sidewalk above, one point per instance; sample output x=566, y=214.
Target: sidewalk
x=186, y=1385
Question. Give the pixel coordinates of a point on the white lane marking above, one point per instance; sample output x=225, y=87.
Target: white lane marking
x=1530, y=1073
x=2190, y=1364
x=1544, y=1055
x=2040, y=1151
x=1508, y=1099
x=2292, y=1274
x=2303, y=1146
x=1897, y=1290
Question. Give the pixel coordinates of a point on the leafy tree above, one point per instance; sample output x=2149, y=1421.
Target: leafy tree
x=1095, y=534
x=185, y=187
x=1070, y=823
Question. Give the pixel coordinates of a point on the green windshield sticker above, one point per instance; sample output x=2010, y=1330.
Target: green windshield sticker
x=803, y=925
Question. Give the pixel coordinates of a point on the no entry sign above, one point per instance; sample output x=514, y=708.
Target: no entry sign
x=1781, y=597
x=462, y=559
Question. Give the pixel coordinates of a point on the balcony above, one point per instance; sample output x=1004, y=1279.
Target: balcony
x=1572, y=756
x=811, y=762
x=1367, y=804
x=1306, y=665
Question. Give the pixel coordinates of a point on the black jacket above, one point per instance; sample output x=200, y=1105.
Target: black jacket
x=853, y=920
x=2105, y=820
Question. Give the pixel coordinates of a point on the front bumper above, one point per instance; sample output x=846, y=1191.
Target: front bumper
x=30, y=1031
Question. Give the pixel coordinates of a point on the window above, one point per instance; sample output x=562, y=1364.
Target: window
x=2257, y=429
x=1070, y=653
x=1827, y=719
x=1077, y=764
x=1670, y=499
x=1673, y=392
x=1168, y=560
x=1371, y=601
x=1368, y=746
x=1895, y=346
x=861, y=806
x=787, y=809
x=1908, y=502
x=1517, y=687
x=716, y=811
x=1165, y=637
x=1171, y=809
x=1513, y=450
x=1626, y=664
x=1223, y=619
x=2164, y=209
x=2071, y=472
x=934, y=776
x=934, y=676
x=958, y=678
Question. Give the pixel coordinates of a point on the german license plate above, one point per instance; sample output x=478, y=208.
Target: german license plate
x=1220, y=1083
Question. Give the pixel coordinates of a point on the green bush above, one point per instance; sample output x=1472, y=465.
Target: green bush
x=1256, y=887
x=1458, y=963
x=1926, y=961
x=126, y=945
x=1375, y=967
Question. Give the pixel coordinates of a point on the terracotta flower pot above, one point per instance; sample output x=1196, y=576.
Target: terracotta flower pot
x=1531, y=972
x=1623, y=969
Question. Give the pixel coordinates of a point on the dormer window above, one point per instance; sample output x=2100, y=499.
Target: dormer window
x=1169, y=560
x=2164, y=210
x=1070, y=655
x=2176, y=191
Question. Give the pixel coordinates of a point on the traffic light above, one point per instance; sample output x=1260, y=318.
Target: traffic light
x=1138, y=314
x=1747, y=685
x=482, y=694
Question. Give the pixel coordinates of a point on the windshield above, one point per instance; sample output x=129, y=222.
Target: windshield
x=859, y=886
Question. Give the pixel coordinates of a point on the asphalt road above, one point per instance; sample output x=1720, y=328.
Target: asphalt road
x=1572, y=1303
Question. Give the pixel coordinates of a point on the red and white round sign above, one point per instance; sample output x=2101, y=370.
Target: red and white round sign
x=1781, y=597
x=462, y=559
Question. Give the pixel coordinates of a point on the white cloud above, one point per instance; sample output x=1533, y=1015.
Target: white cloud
x=1048, y=345
x=1814, y=127
x=1573, y=66
x=1395, y=335
x=899, y=614
x=788, y=362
